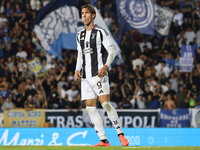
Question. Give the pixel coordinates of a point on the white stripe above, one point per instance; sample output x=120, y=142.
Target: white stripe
x=88, y=66
x=99, y=46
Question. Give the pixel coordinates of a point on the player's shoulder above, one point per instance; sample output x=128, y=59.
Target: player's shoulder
x=78, y=35
x=79, y=32
x=101, y=29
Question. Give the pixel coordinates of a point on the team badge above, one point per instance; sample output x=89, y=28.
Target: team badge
x=140, y=12
x=83, y=34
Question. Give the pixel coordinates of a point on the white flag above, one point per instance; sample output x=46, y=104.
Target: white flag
x=163, y=19
x=99, y=21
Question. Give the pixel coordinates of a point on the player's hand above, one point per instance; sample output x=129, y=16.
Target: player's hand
x=77, y=75
x=102, y=71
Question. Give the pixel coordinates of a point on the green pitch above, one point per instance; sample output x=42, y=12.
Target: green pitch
x=97, y=148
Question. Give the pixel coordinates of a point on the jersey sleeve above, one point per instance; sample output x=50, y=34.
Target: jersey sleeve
x=106, y=39
x=78, y=42
x=79, y=60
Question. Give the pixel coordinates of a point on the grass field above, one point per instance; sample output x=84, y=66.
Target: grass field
x=97, y=148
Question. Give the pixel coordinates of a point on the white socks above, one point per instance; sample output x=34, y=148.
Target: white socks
x=112, y=115
x=96, y=121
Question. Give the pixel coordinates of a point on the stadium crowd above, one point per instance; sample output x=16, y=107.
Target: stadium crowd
x=149, y=78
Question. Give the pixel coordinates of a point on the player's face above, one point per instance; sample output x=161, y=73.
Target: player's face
x=86, y=16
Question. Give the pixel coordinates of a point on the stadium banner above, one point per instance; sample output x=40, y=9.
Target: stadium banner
x=187, y=58
x=88, y=136
x=22, y=118
x=128, y=118
x=163, y=19
x=1, y=118
x=36, y=67
x=137, y=15
x=56, y=26
x=195, y=121
x=177, y=118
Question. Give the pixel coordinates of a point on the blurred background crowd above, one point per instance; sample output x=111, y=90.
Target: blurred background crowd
x=149, y=78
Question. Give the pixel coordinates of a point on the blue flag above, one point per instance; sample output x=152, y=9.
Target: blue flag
x=137, y=15
x=93, y=2
x=176, y=118
x=187, y=58
x=56, y=26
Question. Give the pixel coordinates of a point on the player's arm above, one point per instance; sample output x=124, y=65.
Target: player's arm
x=106, y=41
x=77, y=74
x=111, y=57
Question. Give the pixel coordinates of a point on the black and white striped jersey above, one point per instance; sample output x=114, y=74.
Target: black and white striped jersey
x=92, y=44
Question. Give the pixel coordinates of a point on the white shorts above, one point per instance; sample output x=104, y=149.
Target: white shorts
x=93, y=87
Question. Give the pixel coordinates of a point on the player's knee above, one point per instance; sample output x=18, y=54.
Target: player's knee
x=107, y=105
x=91, y=110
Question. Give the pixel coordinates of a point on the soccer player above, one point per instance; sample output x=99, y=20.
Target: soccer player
x=92, y=64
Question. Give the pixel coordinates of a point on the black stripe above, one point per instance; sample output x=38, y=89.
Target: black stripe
x=104, y=54
x=103, y=50
x=82, y=47
x=106, y=32
x=94, y=57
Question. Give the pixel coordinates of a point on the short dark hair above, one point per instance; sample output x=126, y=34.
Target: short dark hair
x=90, y=8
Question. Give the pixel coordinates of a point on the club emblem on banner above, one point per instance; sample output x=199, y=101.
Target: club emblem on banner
x=197, y=118
x=139, y=14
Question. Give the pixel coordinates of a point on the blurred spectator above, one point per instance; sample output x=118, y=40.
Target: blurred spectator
x=72, y=92
x=178, y=16
x=21, y=54
x=107, y=19
x=138, y=62
x=115, y=93
x=29, y=104
x=145, y=43
x=185, y=103
x=126, y=103
x=187, y=10
x=53, y=98
x=181, y=97
x=4, y=92
x=126, y=89
x=165, y=69
x=3, y=20
x=65, y=103
x=7, y=105
x=18, y=12
x=189, y=35
x=197, y=101
x=138, y=102
x=75, y=104
x=169, y=103
x=30, y=90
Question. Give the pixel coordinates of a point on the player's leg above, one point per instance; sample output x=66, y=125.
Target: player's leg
x=96, y=121
x=113, y=116
x=90, y=98
x=102, y=89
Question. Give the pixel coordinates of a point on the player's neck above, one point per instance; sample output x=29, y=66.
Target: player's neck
x=90, y=26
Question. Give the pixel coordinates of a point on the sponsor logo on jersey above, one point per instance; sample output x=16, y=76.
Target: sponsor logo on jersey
x=86, y=51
